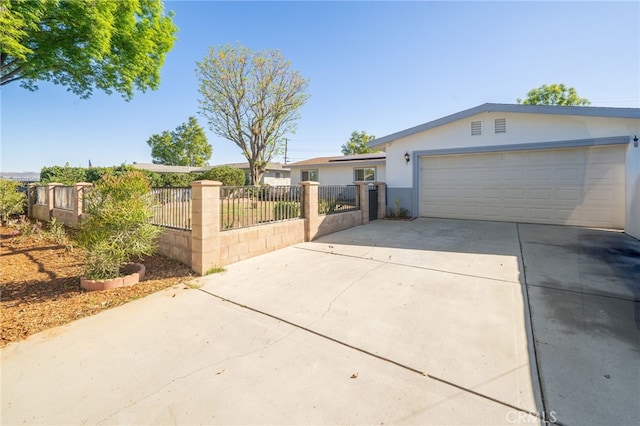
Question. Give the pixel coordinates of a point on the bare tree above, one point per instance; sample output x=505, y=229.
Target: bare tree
x=252, y=99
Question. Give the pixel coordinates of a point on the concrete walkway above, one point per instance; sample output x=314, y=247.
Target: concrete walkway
x=422, y=322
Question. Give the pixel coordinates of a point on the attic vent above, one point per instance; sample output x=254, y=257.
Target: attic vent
x=500, y=125
x=476, y=128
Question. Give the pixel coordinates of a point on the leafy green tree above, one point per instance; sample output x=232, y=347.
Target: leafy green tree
x=229, y=176
x=252, y=99
x=104, y=44
x=186, y=146
x=65, y=175
x=357, y=144
x=554, y=94
x=12, y=201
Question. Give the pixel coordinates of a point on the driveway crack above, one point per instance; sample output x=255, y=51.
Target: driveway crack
x=344, y=290
x=198, y=370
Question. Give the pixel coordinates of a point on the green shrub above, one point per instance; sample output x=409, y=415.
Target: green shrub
x=327, y=206
x=12, y=201
x=176, y=179
x=229, y=176
x=286, y=210
x=118, y=227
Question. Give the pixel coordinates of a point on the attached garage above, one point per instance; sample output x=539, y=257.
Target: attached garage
x=560, y=165
x=569, y=186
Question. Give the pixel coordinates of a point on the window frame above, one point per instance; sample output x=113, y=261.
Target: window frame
x=309, y=175
x=364, y=174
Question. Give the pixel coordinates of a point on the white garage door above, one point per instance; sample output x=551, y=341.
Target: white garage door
x=569, y=186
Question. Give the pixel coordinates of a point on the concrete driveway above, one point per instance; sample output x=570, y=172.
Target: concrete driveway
x=423, y=322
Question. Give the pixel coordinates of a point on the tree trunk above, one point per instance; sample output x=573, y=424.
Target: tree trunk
x=256, y=174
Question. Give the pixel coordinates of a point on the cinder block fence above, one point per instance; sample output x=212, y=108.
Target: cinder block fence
x=205, y=240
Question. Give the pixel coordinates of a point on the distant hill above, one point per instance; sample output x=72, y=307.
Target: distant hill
x=21, y=176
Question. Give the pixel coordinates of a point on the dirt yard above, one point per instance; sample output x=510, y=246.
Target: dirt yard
x=40, y=285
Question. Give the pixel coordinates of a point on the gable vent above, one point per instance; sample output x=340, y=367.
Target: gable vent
x=500, y=125
x=476, y=128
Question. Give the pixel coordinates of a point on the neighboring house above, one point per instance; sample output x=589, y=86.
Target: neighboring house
x=275, y=174
x=343, y=170
x=521, y=163
x=163, y=168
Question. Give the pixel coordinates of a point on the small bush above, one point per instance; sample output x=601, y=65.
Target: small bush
x=12, y=200
x=327, y=206
x=229, y=176
x=286, y=210
x=118, y=227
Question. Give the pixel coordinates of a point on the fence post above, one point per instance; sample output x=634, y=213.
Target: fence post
x=382, y=200
x=363, y=189
x=205, y=225
x=31, y=198
x=51, y=198
x=310, y=209
x=78, y=200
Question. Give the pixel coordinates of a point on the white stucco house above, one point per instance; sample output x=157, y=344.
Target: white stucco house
x=522, y=163
x=342, y=170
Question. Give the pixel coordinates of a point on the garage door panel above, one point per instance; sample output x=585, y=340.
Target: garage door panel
x=569, y=194
x=574, y=186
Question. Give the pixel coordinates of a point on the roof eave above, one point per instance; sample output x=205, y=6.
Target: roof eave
x=515, y=108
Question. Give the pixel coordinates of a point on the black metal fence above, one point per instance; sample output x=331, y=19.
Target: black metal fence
x=244, y=206
x=337, y=199
x=172, y=207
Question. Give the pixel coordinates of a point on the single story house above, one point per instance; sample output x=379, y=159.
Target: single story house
x=275, y=173
x=522, y=163
x=342, y=170
x=163, y=168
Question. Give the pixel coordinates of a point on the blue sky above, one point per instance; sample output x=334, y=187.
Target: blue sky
x=374, y=66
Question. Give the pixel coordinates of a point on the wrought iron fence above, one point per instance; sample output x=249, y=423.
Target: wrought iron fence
x=63, y=197
x=41, y=195
x=244, y=206
x=172, y=207
x=337, y=199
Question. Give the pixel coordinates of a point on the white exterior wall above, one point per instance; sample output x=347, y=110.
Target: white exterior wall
x=269, y=178
x=521, y=128
x=632, y=224
x=337, y=174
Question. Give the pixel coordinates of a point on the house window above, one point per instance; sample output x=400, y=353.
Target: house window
x=476, y=128
x=278, y=175
x=309, y=175
x=365, y=174
x=500, y=125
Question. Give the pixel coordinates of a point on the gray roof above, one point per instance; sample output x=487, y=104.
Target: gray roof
x=376, y=157
x=163, y=168
x=518, y=108
x=270, y=166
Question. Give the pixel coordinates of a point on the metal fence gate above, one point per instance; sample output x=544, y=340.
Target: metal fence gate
x=373, y=202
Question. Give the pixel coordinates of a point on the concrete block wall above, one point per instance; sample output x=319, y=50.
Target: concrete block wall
x=175, y=244
x=47, y=211
x=240, y=244
x=207, y=246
